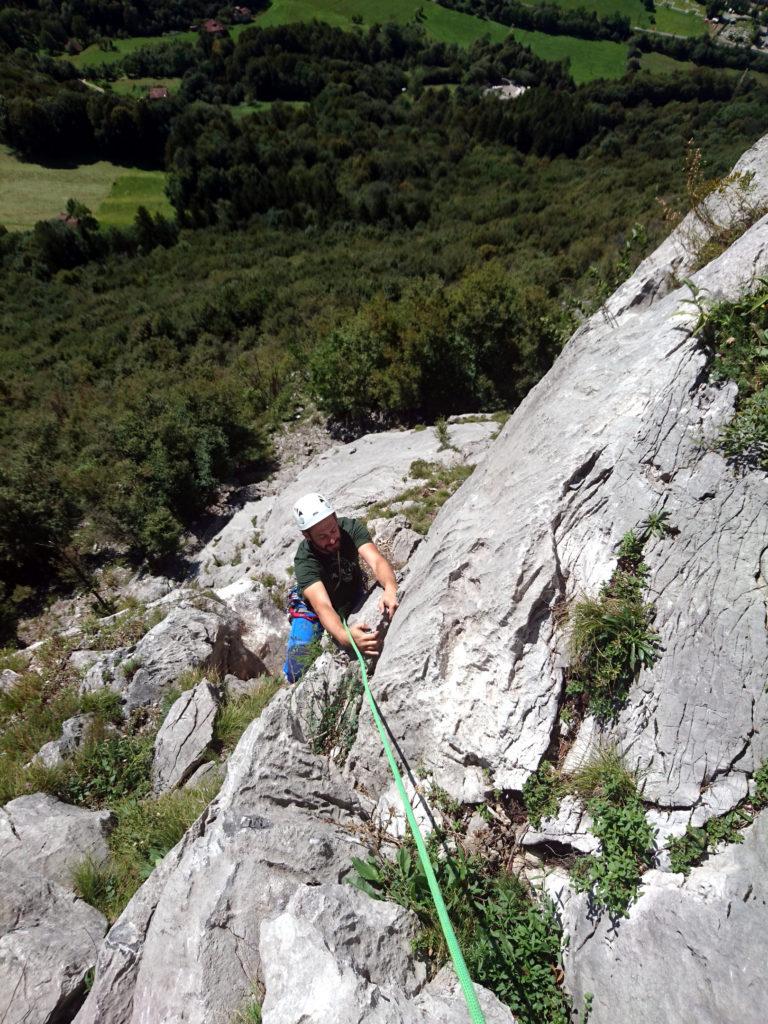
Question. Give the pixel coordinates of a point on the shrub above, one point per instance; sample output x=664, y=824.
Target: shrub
x=105, y=769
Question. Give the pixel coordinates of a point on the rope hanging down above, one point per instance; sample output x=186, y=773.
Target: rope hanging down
x=475, y=1013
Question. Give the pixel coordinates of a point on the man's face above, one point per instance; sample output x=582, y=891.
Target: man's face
x=325, y=535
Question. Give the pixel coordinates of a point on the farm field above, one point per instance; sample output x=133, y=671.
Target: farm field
x=30, y=192
x=660, y=64
x=93, y=55
x=442, y=24
x=139, y=87
x=589, y=59
x=682, y=19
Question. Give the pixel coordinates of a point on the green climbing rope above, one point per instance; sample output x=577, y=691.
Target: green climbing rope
x=475, y=1013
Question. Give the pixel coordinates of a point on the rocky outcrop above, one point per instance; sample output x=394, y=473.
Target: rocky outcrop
x=470, y=684
x=41, y=834
x=74, y=732
x=335, y=956
x=622, y=425
x=374, y=469
x=184, y=736
x=710, y=927
x=48, y=944
x=189, y=637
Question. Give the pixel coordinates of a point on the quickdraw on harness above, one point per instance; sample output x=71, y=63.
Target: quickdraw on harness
x=299, y=609
x=475, y=1013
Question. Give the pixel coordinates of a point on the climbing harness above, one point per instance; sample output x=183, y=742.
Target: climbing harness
x=475, y=1013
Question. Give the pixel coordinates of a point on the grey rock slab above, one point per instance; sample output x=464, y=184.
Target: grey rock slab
x=692, y=949
x=74, y=732
x=395, y=539
x=184, y=736
x=205, y=773
x=334, y=956
x=569, y=827
x=373, y=469
x=187, y=946
x=472, y=672
x=8, y=679
x=48, y=943
x=189, y=637
x=264, y=623
x=40, y=833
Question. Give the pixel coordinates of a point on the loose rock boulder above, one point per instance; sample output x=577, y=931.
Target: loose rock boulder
x=184, y=736
x=48, y=943
x=41, y=834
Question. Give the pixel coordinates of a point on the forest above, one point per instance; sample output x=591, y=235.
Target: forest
x=377, y=239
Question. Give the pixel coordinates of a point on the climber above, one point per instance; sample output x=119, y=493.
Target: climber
x=330, y=582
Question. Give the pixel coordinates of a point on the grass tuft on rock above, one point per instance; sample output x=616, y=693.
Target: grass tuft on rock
x=609, y=791
x=436, y=483
x=146, y=830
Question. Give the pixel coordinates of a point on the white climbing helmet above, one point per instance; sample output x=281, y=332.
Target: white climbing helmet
x=311, y=509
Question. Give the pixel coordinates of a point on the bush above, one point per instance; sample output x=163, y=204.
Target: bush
x=541, y=794
x=693, y=846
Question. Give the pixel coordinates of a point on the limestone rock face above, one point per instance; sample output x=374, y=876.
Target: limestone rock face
x=691, y=949
x=373, y=469
x=335, y=956
x=621, y=426
x=184, y=736
x=41, y=834
x=48, y=943
x=395, y=539
x=569, y=827
x=189, y=637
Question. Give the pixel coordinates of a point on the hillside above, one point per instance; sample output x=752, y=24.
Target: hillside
x=599, y=807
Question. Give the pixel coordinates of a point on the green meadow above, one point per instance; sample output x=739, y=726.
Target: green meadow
x=30, y=192
x=589, y=58
x=138, y=87
x=684, y=18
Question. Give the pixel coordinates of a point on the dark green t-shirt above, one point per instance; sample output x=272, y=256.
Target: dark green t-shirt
x=340, y=571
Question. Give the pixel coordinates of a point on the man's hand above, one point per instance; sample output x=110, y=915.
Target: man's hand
x=366, y=640
x=388, y=602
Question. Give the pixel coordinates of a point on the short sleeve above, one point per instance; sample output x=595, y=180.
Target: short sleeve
x=306, y=567
x=358, y=531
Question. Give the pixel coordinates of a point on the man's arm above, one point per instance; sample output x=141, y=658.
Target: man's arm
x=365, y=639
x=385, y=575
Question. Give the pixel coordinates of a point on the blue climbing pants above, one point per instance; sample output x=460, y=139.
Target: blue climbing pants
x=305, y=627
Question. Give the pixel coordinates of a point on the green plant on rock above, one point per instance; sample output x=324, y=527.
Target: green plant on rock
x=333, y=715
x=696, y=843
x=437, y=482
x=736, y=333
x=627, y=840
x=147, y=828
x=760, y=797
x=611, y=636
x=541, y=793
x=510, y=941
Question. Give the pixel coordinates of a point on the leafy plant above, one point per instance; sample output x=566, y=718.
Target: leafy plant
x=541, y=794
x=760, y=798
x=696, y=843
x=619, y=822
x=511, y=942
